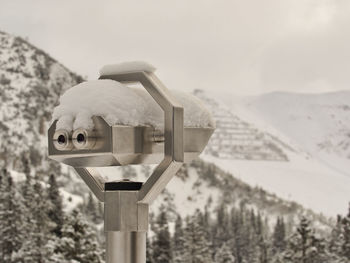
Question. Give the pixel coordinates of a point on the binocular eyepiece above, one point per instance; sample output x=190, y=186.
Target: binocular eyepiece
x=62, y=140
x=115, y=145
x=80, y=139
x=83, y=139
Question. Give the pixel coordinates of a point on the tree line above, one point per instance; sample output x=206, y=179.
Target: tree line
x=35, y=229
x=241, y=235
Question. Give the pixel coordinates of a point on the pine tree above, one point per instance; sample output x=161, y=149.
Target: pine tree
x=149, y=250
x=339, y=244
x=2, y=206
x=306, y=246
x=252, y=236
x=279, y=236
x=224, y=255
x=202, y=251
x=238, y=240
x=35, y=248
x=197, y=246
x=179, y=241
x=222, y=227
x=261, y=240
x=78, y=240
x=92, y=209
x=28, y=194
x=11, y=220
x=55, y=209
x=189, y=240
x=304, y=232
x=162, y=252
x=346, y=235
x=337, y=238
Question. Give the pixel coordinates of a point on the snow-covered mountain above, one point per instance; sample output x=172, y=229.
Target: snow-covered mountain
x=298, y=145
x=238, y=139
x=30, y=85
x=318, y=123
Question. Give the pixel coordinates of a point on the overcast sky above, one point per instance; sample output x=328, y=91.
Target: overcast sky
x=242, y=47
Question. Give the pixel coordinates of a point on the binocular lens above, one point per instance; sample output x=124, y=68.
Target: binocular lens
x=80, y=138
x=83, y=139
x=61, y=139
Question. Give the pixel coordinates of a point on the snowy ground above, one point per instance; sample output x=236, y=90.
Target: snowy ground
x=302, y=179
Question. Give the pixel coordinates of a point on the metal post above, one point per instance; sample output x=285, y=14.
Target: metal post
x=126, y=223
x=126, y=247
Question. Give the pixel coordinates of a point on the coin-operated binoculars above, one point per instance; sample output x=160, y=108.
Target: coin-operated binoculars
x=126, y=203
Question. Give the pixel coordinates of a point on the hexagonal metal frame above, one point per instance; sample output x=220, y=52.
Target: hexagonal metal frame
x=173, y=131
x=173, y=138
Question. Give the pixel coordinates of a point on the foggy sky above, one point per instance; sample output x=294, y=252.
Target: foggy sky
x=241, y=47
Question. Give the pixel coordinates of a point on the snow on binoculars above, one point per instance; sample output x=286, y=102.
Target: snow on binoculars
x=106, y=123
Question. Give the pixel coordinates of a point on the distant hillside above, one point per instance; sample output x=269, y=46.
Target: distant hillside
x=30, y=85
x=235, y=138
x=293, y=145
x=318, y=123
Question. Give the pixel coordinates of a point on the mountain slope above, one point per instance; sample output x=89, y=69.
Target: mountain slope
x=237, y=139
x=318, y=123
x=30, y=85
x=300, y=126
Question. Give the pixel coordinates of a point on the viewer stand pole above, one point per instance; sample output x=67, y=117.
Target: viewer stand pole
x=126, y=247
x=126, y=223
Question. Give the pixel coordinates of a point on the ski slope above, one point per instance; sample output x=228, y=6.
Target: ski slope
x=317, y=129
x=303, y=180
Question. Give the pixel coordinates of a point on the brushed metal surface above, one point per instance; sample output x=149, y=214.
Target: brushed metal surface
x=126, y=247
x=123, y=212
x=123, y=145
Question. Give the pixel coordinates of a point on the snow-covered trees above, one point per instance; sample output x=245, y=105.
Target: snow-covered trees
x=346, y=235
x=246, y=239
x=32, y=229
x=78, y=240
x=224, y=255
x=92, y=209
x=162, y=245
x=35, y=229
x=306, y=246
x=178, y=241
x=197, y=245
x=279, y=236
x=55, y=209
x=340, y=238
x=11, y=219
x=34, y=248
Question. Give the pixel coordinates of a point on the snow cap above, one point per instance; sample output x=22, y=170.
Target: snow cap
x=119, y=104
